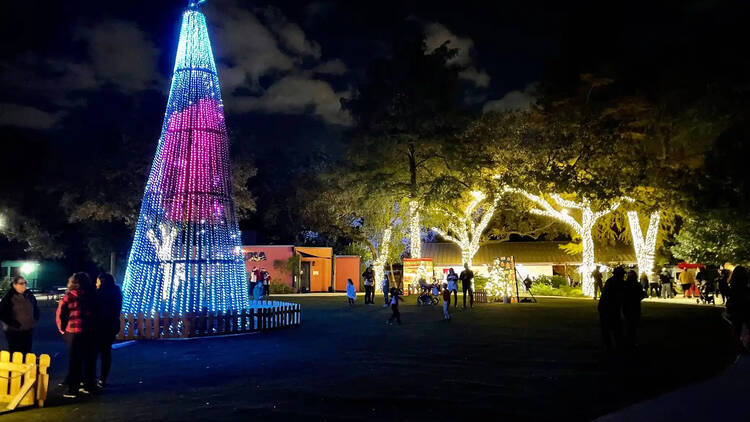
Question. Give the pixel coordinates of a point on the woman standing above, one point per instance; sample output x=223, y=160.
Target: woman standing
x=108, y=307
x=74, y=323
x=18, y=314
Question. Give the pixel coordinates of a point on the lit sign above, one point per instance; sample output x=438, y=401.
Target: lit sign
x=255, y=256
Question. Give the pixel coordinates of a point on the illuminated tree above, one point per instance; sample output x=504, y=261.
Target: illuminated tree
x=186, y=254
x=582, y=227
x=644, y=246
x=466, y=229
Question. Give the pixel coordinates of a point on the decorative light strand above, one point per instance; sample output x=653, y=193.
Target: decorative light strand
x=464, y=230
x=415, y=231
x=186, y=254
x=380, y=261
x=645, y=248
x=583, y=228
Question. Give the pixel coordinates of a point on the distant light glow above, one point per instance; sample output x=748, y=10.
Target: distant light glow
x=464, y=231
x=415, y=231
x=184, y=255
x=28, y=268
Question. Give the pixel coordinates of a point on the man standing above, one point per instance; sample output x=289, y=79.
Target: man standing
x=452, y=278
x=597, y=276
x=467, y=277
x=369, y=277
x=610, y=306
x=666, y=284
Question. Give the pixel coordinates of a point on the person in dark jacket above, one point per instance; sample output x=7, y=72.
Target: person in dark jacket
x=738, y=304
x=108, y=305
x=722, y=283
x=467, y=280
x=632, y=295
x=609, y=307
x=18, y=314
x=74, y=322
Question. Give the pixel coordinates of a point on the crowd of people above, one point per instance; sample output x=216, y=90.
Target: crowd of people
x=433, y=291
x=620, y=302
x=88, y=319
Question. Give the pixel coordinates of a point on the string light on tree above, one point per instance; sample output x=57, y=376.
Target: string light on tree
x=582, y=229
x=415, y=231
x=500, y=283
x=464, y=230
x=186, y=254
x=645, y=248
x=380, y=261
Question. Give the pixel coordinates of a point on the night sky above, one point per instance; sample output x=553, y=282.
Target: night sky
x=93, y=75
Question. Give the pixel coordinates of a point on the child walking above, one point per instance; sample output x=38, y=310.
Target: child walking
x=446, y=301
x=394, y=307
x=351, y=293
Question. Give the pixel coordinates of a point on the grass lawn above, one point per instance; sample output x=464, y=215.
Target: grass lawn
x=523, y=361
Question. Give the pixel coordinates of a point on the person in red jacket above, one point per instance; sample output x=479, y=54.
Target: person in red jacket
x=74, y=323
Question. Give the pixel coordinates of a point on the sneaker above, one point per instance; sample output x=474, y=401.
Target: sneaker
x=100, y=383
x=84, y=390
x=70, y=395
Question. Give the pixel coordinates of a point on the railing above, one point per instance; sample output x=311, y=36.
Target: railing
x=480, y=296
x=263, y=316
x=23, y=383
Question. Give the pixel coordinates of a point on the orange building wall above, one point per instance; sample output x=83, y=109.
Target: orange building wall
x=271, y=254
x=346, y=267
x=320, y=274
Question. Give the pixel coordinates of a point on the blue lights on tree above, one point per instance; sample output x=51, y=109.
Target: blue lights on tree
x=186, y=254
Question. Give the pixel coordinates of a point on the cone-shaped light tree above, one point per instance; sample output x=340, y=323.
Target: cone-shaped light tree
x=186, y=254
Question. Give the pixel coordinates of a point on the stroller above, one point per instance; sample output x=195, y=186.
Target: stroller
x=707, y=291
x=426, y=298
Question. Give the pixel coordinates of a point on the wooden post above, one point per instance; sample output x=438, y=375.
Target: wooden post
x=252, y=325
x=157, y=324
x=131, y=327
x=210, y=325
x=121, y=334
x=175, y=325
x=30, y=376
x=42, y=380
x=141, y=333
x=186, y=324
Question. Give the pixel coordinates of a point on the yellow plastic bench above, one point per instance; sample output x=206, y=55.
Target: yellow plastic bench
x=23, y=382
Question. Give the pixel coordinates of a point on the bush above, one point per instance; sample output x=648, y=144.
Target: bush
x=555, y=281
x=480, y=282
x=547, y=290
x=278, y=288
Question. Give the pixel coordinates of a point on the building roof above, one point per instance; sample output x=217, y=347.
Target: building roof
x=529, y=253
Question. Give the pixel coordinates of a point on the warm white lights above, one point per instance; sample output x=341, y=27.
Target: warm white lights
x=644, y=248
x=415, y=232
x=464, y=230
x=582, y=228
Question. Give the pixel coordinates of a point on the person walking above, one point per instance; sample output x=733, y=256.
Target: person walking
x=108, y=304
x=597, y=276
x=384, y=285
x=253, y=278
x=395, y=298
x=643, y=281
x=609, y=307
x=467, y=278
x=258, y=291
x=446, y=302
x=369, y=277
x=351, y=292
x=74, y=323
x=666, y=284
x=452, y=279
x=19, y=314
x=632, y=295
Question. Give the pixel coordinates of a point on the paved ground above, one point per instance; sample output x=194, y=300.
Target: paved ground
x=522, y=361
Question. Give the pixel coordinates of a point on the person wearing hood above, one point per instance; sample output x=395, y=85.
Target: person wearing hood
x=74, y=318
x=108, y=306
x=18, y=314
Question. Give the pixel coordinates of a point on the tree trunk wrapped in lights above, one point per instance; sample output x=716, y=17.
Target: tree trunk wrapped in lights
x=380, y=260
x=415, y=231
x=186, y=254
x=582, y=228
x=645, y=248
x=464, y=230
